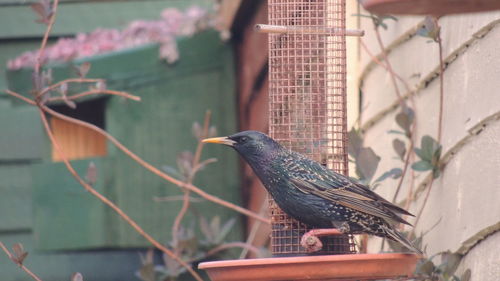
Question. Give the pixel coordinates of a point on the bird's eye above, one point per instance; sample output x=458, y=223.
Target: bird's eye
x=243, y=139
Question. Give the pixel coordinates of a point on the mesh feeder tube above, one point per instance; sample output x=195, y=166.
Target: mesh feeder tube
x=307, y=101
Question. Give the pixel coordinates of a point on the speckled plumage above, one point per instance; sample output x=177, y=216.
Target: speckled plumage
x=315, y=195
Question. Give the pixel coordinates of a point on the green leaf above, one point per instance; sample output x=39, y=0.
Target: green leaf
x=206, y=229
x=425, y=267
x=418, y=242
x=395, y=246
x=188, y=245
x=427, y=146
x=437, y=155
x=215, y=225
x=363, y=16
x=429, y=149
x=405, y=119
x=18, y=254
x=355, y=143
x=367, y=163
x=378, y=20
x=224, y=231
x=396, y=132
x=394, y=173
x=146, y=272
x=451, y=262
x=466, y=275
x=400, y=148
x=421, y=166
x=429, y=29
x=419, y=152
x=436, y=173
x=172, y=172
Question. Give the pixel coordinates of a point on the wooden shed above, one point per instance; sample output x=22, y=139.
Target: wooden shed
x=64, y=228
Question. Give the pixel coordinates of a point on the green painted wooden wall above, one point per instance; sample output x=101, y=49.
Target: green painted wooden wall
x=157, y=129
x=19, y=32
x=204, y=74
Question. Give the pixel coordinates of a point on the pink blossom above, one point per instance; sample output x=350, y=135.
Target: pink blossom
x=172, y=23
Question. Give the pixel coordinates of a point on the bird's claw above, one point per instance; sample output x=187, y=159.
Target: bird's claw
x=311, y=243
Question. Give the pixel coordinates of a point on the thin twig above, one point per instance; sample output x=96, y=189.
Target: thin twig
x=19, y=96
x=405, y=168
x=155, y=170
x=68, y=81
x=441, y=83
x=377, y=61
x=22, y=266
x=145, y=164
x=394, y=75
x=177, y=198
x=108, y=202
x=189, y=180
x=96, y=92
x=417, y=219
x=440, y=118
x=409, y=197
x=386, y=59
x=226, y=246
x=38, y=63
x=253, y=230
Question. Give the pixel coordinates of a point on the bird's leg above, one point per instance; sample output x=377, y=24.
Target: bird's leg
x=343, y=227
x=311, y=242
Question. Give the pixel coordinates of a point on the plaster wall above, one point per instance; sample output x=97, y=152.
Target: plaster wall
x=463, y=202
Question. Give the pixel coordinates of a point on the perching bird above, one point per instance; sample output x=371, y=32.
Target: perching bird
x=313, y=194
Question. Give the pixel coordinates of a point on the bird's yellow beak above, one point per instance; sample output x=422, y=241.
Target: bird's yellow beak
x=220, y=140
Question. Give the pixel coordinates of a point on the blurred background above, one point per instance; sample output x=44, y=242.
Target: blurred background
x=187, y=57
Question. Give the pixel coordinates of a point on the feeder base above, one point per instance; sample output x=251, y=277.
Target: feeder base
x=334, y=267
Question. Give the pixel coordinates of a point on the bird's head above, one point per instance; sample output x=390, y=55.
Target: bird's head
x=249, y=144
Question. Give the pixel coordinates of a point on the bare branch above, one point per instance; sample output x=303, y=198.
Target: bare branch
x=189, y=180
x=155, y=170
x=68, y=81
x=46, y=37
x=226, y=246
x=108, y=202
x=19, y=96
x=22, y=266
x=96, y=92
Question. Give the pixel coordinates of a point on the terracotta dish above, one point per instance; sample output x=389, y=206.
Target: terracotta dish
x=333, y=267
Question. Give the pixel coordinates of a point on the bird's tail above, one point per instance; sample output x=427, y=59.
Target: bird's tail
x=398, y=237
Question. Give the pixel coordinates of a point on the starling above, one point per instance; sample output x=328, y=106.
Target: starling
x=313, y=194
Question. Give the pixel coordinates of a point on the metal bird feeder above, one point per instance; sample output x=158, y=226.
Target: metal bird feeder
x=307, y=101
x=307, y=114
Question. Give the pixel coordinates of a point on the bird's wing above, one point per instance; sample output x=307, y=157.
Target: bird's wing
x=344, y=196
x=361, y=189
x=311, y=177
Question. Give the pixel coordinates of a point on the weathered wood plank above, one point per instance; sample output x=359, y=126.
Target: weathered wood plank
x=66, y=216
x=15, y=197
x=21, y=136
